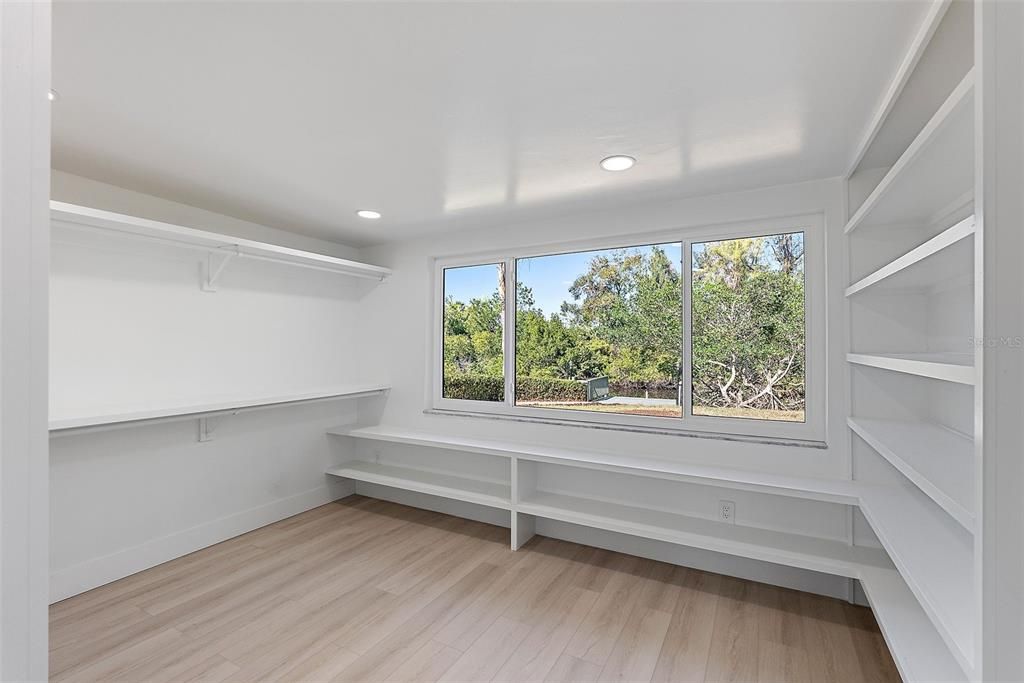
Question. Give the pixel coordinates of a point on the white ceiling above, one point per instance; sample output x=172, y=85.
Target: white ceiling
x=448, y=115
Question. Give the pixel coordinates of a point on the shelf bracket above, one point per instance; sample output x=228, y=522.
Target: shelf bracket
x=205, y=429
x=207, y=424
x=213, y=268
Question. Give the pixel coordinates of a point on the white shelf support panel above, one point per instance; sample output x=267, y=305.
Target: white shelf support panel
x=63, y=425
x=950, y=367
x=221, y=248
x=938, y=244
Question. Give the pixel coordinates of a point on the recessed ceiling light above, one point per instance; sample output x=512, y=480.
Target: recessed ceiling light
x=619, y=162
x=53, y=95
x=366, y=213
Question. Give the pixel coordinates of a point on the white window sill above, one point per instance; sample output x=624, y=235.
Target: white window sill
x=641, y=429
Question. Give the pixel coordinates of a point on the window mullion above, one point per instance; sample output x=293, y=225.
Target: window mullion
x=509, y=337
x=686, y=352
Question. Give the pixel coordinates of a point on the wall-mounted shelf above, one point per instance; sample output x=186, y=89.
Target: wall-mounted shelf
x=933, y=175
x=66, y=424
x=947, y=366
x=477, y=491
x=937, y=460
x=938, y=270
x=221, y=248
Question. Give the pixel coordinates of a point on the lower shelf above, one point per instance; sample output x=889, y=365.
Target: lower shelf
x=832, y=557
x=920, y=653
x=441, y=484
x=935, y=557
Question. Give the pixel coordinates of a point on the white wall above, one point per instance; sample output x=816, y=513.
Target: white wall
x=399, y=313
x=131, y=329
x=24, y=235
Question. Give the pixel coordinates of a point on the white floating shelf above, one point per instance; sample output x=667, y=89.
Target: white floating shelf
x=934, y=555
x=915, y=645
x=80, y=216
x=930, y=264
x=828, y=490
x=948, y=366
x=61, y=423
x=441, y=484
x=934, y=173
x=833, y=557
x=938, y=460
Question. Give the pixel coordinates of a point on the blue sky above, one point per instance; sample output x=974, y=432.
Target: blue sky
x=548, y=276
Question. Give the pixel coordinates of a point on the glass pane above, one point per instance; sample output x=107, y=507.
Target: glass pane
x=474, y=320
x=600, y=331
x=748, y=328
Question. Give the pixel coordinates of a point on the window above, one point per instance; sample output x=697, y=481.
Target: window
x=473, y=342
x=600, y=331
x=747, y=345
x=707, y=333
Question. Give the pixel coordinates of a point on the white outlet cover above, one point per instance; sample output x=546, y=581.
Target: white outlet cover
x=727, y=511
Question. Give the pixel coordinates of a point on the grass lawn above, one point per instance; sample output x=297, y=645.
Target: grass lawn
x=673, y=411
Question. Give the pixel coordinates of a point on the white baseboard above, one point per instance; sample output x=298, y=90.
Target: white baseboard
x=96, y=572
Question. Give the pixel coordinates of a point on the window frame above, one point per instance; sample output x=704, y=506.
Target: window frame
x=815, y=333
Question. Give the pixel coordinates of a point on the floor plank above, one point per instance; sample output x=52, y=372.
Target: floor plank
x=367, y=590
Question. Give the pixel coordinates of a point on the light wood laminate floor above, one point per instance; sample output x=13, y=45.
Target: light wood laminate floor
x=366, y=590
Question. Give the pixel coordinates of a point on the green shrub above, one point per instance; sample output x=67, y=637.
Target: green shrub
x=489, y=388
x=474, y=387
x=550, y=389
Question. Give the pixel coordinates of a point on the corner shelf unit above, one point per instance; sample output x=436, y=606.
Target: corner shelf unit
x=525, y=504
x=216, y=244
x=914, y=308
x=920, y=651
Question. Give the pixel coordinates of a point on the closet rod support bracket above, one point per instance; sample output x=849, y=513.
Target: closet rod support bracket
x=213, y=267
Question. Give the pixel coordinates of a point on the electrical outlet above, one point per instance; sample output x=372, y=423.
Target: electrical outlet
x=727, y=511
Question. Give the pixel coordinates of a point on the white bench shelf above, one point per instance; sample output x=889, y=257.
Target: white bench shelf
x=826, y=490
x=934, y=175
x=937, y=460
x=477, y=491
x=62, y=424
x=74, y=216
x=949, y=366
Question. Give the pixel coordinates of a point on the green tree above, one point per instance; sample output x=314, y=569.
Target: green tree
x=748, y=327
x=630, y=300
